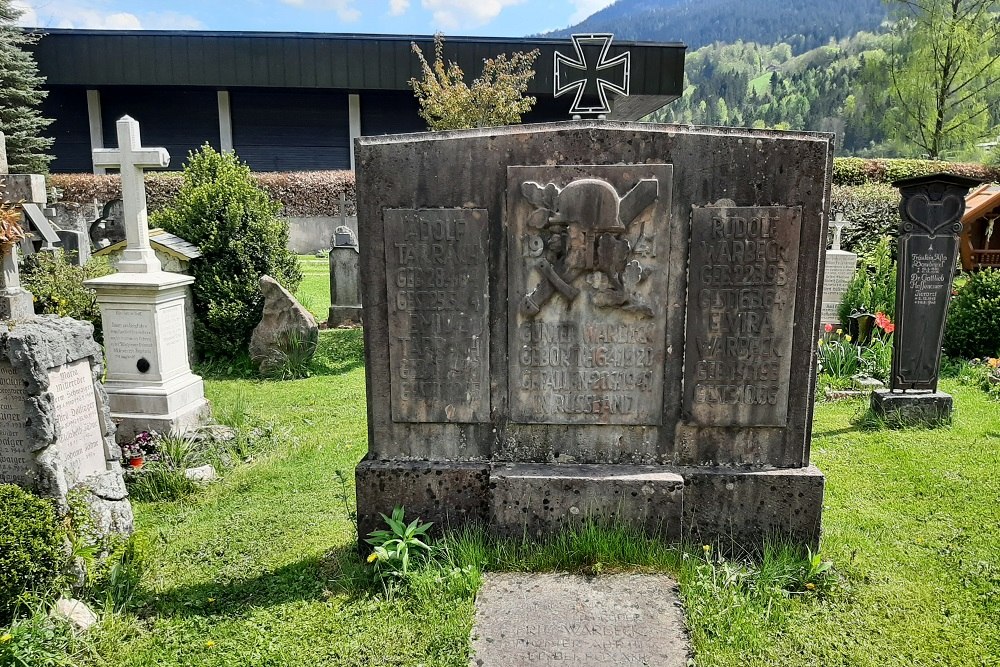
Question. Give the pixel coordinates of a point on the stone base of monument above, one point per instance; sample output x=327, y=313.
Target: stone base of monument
x=734, y=508
x=912, y=408
x=343, y=315
x=149, y=382
x=57, y=433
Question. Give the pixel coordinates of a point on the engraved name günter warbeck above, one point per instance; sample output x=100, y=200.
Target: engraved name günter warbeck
x=586, y=229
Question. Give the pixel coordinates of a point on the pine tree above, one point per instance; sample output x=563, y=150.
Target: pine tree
x=20, y=95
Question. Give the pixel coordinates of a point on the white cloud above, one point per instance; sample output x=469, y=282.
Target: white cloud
x=98, y=14
x=585, y=8
x=398, y=7
x=454, y=14
x=345, y=9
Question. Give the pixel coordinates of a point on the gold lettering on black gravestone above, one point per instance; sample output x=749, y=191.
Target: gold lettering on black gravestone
x=740, y=310
x=587, y=271
x=438, y=302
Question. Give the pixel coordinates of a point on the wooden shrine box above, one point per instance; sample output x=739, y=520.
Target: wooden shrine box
x=980, y=241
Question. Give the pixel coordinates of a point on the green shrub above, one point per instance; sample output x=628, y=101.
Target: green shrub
x=973, y=328
x=31, y=551
x=873, y=288
x=858, y=171
x=235, y=223
x=56, y=282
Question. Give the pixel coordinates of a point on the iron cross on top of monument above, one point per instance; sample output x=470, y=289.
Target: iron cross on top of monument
x=592, y=74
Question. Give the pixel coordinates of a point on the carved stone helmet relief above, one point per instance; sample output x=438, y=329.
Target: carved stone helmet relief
x=586, y=230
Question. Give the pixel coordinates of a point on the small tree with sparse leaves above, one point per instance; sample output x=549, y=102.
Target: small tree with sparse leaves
x=495, y=98
x=20, y=95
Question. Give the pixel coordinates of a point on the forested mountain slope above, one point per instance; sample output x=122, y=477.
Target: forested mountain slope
x=802, y=24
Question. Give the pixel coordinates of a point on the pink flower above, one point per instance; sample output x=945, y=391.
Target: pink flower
x=828, y=328
x=889, y=327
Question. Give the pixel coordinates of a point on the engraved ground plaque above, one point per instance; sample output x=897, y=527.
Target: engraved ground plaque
x=560, y=619
x=587, y=262
x=740, y=314
x=437, y=287
x=17, y=463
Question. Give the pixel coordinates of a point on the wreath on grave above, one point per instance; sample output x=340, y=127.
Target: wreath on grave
x=11, y=232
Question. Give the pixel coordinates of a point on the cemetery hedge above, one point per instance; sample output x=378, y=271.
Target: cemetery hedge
x=301, y=193
x=31, y=551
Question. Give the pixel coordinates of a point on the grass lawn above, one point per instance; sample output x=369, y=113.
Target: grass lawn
x=314, y=292
x=261, y=568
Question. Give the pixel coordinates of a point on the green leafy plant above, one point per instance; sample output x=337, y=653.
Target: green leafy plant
x=839, y=357
x=31, y=551
x=973, y=328
x=291, y=358
x=36, y=640
x=56, y=283
x=497, y=97
x=237, y=227
x=164, y=478
x=873, y=287
x=394, y=548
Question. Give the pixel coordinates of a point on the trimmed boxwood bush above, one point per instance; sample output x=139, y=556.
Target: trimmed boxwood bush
x=31, y=552
x=973, y=328
x=236, y=226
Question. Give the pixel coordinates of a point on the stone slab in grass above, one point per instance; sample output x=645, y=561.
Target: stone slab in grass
x=563, y=619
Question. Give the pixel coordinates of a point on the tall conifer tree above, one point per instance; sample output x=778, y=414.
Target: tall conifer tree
x=20, y=96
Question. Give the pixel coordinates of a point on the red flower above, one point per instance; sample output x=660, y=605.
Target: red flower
x=889, y=327
x=828, y=328
x=884, y=323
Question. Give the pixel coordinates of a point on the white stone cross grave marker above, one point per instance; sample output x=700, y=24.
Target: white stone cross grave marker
x=131, y=158
x=840, y=268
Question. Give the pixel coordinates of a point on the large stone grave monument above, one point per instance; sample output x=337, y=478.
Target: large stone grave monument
x=594, y=318
x=837, y=274
x=149, y=382
x=931, y=210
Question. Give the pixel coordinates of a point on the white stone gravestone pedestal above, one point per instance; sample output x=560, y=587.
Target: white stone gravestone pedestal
x=840, y=268
x=149, y=381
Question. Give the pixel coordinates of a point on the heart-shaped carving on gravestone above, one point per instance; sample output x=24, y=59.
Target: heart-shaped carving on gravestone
x=933, y=216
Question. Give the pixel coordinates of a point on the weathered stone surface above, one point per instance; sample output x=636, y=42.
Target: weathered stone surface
x=75, y=612
x=587, y=260
x=560, y=619
x=23, y=188
x=739, y=508
x=741, y=308
x=437, y=284
x=345, y=285
x=205, y=473
x=56, y=433
x=286, y=328
x=449, y=494
x=912, y=408
x=591, y=263
x=539, y=500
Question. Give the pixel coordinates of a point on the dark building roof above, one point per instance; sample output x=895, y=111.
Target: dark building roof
x=308, y=60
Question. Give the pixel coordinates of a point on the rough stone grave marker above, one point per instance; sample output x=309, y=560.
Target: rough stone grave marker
x=593, y=322
x=932, y=208
x=149, y=381
x=837, y=275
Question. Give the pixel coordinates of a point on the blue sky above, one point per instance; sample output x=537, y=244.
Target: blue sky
x=453, y=17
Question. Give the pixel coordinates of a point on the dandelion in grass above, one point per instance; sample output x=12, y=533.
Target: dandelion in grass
x=209, y=644
x=810, y=586
x=6, y=637
x=372, y=557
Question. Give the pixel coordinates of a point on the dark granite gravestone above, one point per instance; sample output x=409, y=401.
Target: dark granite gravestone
x=593, y=319
x=931, y=210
